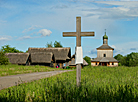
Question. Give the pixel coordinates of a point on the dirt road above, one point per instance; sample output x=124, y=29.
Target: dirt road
x=8, y=81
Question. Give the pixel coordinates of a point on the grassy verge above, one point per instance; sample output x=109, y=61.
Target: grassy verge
x=6, y=70
x=98, y=84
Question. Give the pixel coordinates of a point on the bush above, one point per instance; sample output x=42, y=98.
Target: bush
x=8, y=49
x=71, y=67
x=130, y=60
x=57, y=44
x=3, y=59
x=88, y=60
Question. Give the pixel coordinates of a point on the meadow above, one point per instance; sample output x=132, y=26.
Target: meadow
x=11, y=69
x=98, y=84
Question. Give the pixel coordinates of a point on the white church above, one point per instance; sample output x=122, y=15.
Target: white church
x=104, y=55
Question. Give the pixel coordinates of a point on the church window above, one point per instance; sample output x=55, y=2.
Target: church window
x=104, y=55
x=104, y=42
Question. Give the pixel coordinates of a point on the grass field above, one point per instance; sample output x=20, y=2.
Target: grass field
x=6, y=70
x=98, y=84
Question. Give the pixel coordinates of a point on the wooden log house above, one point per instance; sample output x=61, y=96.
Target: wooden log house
x=60, y=55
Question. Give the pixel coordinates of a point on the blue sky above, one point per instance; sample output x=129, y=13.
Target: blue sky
x=33, y=23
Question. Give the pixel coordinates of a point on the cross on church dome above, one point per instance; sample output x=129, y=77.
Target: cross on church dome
x=105, y=36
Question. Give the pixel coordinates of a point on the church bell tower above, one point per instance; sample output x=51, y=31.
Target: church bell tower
x=104, y=54
x=105, y=39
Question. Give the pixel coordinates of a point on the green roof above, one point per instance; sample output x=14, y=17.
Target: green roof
x=105, y=36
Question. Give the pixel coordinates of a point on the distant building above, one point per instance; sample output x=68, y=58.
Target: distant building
x=71, y=63
x=104, y=55
x=18, y=58
x=41, y=56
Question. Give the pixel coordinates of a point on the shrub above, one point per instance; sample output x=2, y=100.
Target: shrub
x=8, y=49
x=71, y=67
x=3, y=59
x=88, y=60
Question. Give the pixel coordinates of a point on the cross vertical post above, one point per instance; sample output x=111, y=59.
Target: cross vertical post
x=78, y=44
x=78, y=31
x=78, y=35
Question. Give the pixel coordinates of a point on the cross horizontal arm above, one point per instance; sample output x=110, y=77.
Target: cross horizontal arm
x=87, y=33
x=69, y=34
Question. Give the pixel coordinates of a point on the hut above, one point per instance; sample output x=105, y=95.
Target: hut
x=72, y=62
x=18, y=58
x=61, y=55
x=42, y=58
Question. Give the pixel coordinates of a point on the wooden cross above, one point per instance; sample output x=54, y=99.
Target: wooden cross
x=78, y=35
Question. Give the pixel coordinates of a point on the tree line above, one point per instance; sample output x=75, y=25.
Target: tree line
x=130, y=60
x=56, y=44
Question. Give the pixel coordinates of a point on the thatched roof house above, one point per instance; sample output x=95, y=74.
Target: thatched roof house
x=72, y=62
x=42, y=57
x=60, y=54
x=50, y=56
x=17, y=58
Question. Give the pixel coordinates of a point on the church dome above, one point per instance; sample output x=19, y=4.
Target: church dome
x=105, y=36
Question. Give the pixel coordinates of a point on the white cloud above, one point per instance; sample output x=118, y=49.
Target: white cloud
x=44, y=32
x=62, y=6
x=118, y=10
x=133, y=49
x=2, y=21
x=120, y=3
x=125, y=48
x=93, y=51
x=31, y=28
x=25, y=37
x=5, y=38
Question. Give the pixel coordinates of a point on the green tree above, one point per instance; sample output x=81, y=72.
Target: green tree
x=57, y=44
x=87, y=59
x=119, y=57
x=49, y=44
x=3, y=59
x=132, y=59
x=123, y=61
x=8, y=49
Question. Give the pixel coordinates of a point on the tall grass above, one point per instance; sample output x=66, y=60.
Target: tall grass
x=20, y=69
x=98, y=84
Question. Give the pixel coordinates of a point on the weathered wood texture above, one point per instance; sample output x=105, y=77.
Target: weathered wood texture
x=78, y=74
x=78, y=32
x=109, y=53
x=78, y=35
